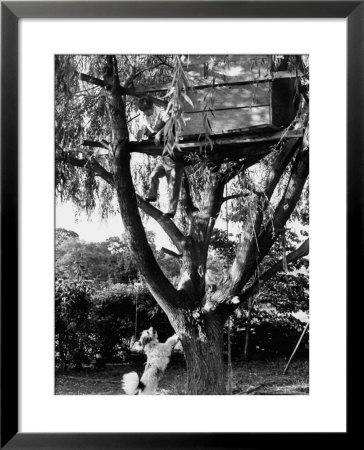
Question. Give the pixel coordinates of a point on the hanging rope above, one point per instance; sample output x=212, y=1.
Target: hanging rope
x=136, y=313
x=285, y=268
x=252, y=300
x=230, y=367
x=247, y=330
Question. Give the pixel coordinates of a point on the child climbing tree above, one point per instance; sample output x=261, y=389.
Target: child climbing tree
x=100, y=105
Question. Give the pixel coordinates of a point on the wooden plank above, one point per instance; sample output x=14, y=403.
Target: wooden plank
x=224, y=69
x=260, y=131
x=207, y=83
x=227, y=120
x=201, y=59
x=242, y=146
x=228, y=141
x=229, y=97
x=203, y=70
x=232, y=141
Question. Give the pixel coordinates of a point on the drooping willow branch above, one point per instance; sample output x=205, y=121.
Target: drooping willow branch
x=91, y=161
x=123, y=90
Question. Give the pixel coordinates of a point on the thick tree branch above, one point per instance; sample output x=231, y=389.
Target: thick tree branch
x=170, y=228
x=287, y=203
x=244, y=164
x=99, y=170
x=254, y=244
x=164, y=62
x=294, y=256
x=235, y=196
x=281, y=162
x=203, y=222
x=89, y=143
x=186, y=198
x=163, y=291
x=134, y=74
x=123, y=90
x=229, y=303
x=245, y=144
x=208, y=236
x=92, y=80
x=131, y=77
x=170, y=253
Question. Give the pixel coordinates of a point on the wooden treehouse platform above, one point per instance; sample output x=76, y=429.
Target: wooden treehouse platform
x=251, y=108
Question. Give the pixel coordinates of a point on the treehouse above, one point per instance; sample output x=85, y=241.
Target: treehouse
x=242, y=102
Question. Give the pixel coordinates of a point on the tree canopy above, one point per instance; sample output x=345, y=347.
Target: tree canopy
x=259, y=170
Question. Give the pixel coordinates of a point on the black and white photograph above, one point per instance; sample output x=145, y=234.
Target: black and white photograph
x=181, y=224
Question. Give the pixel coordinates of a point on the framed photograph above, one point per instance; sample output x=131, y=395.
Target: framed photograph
x=158, y=200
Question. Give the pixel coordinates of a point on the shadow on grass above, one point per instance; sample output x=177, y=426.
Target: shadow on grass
x=249, y=378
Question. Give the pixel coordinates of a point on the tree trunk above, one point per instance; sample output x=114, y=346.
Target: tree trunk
x=203, y=350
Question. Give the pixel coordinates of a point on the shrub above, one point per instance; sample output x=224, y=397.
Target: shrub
x=74, y=339
x=120, y=311
x=90, y=322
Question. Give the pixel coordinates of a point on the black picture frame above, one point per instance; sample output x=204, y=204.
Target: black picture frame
x=11, y=12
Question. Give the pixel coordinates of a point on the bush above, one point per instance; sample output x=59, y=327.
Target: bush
x=103, y=322
x=74, y=338
x=122, y=310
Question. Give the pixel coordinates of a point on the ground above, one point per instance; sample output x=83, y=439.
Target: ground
x=249, y=378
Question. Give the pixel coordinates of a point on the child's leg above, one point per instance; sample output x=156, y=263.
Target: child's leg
x=174, y=173
x=157, y=173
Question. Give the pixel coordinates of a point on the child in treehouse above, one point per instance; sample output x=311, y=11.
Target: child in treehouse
x=172, y=167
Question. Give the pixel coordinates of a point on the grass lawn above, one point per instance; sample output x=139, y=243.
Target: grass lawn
x=249, y=378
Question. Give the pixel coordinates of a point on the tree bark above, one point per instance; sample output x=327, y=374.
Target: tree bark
x=202, y=342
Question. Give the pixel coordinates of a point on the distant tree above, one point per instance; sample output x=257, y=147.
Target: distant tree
x=63, y=235
x=110, y=260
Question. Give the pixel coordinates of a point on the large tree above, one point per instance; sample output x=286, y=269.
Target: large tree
x=266, y=179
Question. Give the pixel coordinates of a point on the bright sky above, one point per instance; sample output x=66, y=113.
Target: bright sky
x=94, y=229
